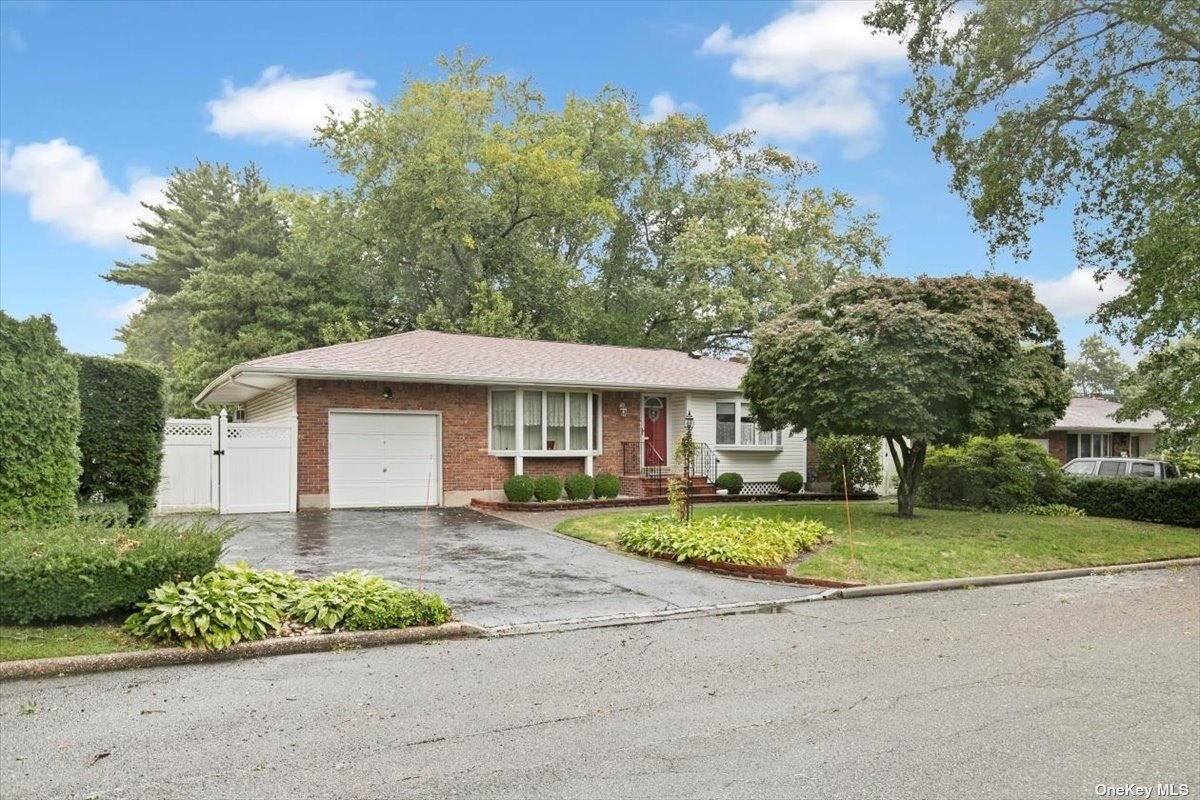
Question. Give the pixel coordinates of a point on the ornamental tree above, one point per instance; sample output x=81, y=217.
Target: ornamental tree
x=921, y=362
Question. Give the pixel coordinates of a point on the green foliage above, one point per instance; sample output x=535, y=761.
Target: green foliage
x=1051, y=510
x=579, y=487
x=358, y=601
x=677, y=496
x=85, y=570
x=917, y=362
x=1165, y=381
x=547, y=488
x=103, y=515
x=607, y=485
x=733, y=539
x=1099, y=371
x=858, y=456
x=1043, y=101
x=237, y=603
x=123, y=409
x=1186, y=461
x=519, y=489
x=790, y=482
x=1174, y=502
x=216, y=609
x=999, y=474
x=39, y=425
x=730, y=481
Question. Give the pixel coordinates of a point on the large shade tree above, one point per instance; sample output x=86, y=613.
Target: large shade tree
x=1099, y=371
x=921, y=362
x=1091, y=102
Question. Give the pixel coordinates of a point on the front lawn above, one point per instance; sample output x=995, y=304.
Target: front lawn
x=941, y=544
x=78, y=639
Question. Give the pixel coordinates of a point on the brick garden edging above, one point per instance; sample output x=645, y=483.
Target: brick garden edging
x=775, y=574
x=657, y=500
x=284, y=645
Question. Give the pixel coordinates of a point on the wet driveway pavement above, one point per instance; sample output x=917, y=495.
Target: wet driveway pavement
x=494, y=573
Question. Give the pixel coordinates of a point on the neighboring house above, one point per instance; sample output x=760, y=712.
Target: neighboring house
x=1088, y=429
x=442, y=418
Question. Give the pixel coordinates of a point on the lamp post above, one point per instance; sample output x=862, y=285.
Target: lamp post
x=689, y=422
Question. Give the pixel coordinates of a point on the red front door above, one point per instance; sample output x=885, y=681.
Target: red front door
x=654, y=421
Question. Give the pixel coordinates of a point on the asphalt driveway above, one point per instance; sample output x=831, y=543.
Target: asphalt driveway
x=493, y=572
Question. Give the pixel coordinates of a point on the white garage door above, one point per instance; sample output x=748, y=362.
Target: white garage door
x=381, y=460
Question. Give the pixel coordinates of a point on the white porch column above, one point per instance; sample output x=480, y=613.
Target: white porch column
x=519, y=465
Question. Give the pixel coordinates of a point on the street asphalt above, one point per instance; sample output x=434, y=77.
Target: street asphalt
x=1040, y=690
x=493, y=572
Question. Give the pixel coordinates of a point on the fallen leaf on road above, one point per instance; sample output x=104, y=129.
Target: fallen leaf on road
x=102, y=754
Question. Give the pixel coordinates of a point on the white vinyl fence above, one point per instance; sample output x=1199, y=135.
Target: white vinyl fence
x=228, y=467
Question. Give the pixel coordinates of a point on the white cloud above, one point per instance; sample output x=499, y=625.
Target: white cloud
x=663, y=105
x=67, y=190
x=838, y=106
x=1077, y=294
x=121, y=312
x=805, y=42
x=829, y=72
x=281, y=107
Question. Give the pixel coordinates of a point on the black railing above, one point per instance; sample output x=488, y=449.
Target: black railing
x=633, y=462
x=705, y=462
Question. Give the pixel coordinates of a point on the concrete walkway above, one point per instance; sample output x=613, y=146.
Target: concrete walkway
x=495, y=573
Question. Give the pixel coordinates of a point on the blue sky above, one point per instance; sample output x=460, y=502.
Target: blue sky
x=99, y=101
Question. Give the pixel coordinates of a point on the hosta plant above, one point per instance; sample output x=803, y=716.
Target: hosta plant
x=754, y=541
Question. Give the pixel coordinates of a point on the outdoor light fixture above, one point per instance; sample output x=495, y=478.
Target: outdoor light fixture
x=622, y=408
x=689, y=422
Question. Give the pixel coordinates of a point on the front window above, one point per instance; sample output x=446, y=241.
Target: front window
x=548, y=421
x=736, y=428
x=1089, y=445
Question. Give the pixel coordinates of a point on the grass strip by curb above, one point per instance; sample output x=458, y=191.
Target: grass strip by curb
x=314, y=643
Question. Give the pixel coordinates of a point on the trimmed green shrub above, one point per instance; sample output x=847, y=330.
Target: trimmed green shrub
x=85, y=570
x=999, y=474
x=358, y=601
x=216, y=609
x=547, y=488
x=1174, y=502
x=730, y=481
x=607, y=485
x=123, y=410
x=579, y=487
x=736, y=540
x=858, y=454
x=1052, y=510
x=519, y=489
x=104, y=515
x=39, y=425
x=790, y=482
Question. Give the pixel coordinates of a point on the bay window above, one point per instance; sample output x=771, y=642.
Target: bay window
x=536, y=421
x=736, y=428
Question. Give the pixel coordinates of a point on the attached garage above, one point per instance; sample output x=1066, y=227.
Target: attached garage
x=384, y=459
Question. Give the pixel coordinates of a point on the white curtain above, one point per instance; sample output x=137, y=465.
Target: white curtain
x=504, y=420
x=579, y=416
x=533, y=421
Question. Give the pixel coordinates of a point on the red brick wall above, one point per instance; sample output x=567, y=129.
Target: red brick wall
x=466, y=465
x=1058, y=444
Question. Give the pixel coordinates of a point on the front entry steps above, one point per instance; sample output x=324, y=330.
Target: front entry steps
x=654, y=486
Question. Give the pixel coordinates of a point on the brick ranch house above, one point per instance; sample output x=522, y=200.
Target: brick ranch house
x=438, y=418
x=1089, y=429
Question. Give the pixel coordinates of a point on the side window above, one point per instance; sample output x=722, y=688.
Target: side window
x=1112, y=468
x=1142, y=469
x=1171, y=470
x=1082, y=468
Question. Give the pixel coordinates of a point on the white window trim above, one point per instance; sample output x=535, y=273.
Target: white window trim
x=595, y=424
x=738, y=404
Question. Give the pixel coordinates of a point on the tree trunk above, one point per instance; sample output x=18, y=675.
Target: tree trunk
x=909, y=461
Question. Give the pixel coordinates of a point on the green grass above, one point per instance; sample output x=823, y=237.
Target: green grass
x=942, y=544
x=78, y=639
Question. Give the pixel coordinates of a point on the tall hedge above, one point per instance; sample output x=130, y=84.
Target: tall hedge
x=1175, y=502
x=39, y=425
x=999, y=474
x=124, y=407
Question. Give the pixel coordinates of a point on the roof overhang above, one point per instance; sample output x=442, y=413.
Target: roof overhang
x=240, y=384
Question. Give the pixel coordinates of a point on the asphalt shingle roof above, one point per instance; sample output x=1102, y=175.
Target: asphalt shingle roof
x=462, y=358
x=1093, y=413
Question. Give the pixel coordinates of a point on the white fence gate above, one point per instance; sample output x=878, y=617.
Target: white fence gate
x=229, y=467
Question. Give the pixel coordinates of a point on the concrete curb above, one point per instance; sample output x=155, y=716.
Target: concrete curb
x=1001, y=580
x=315, y=643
